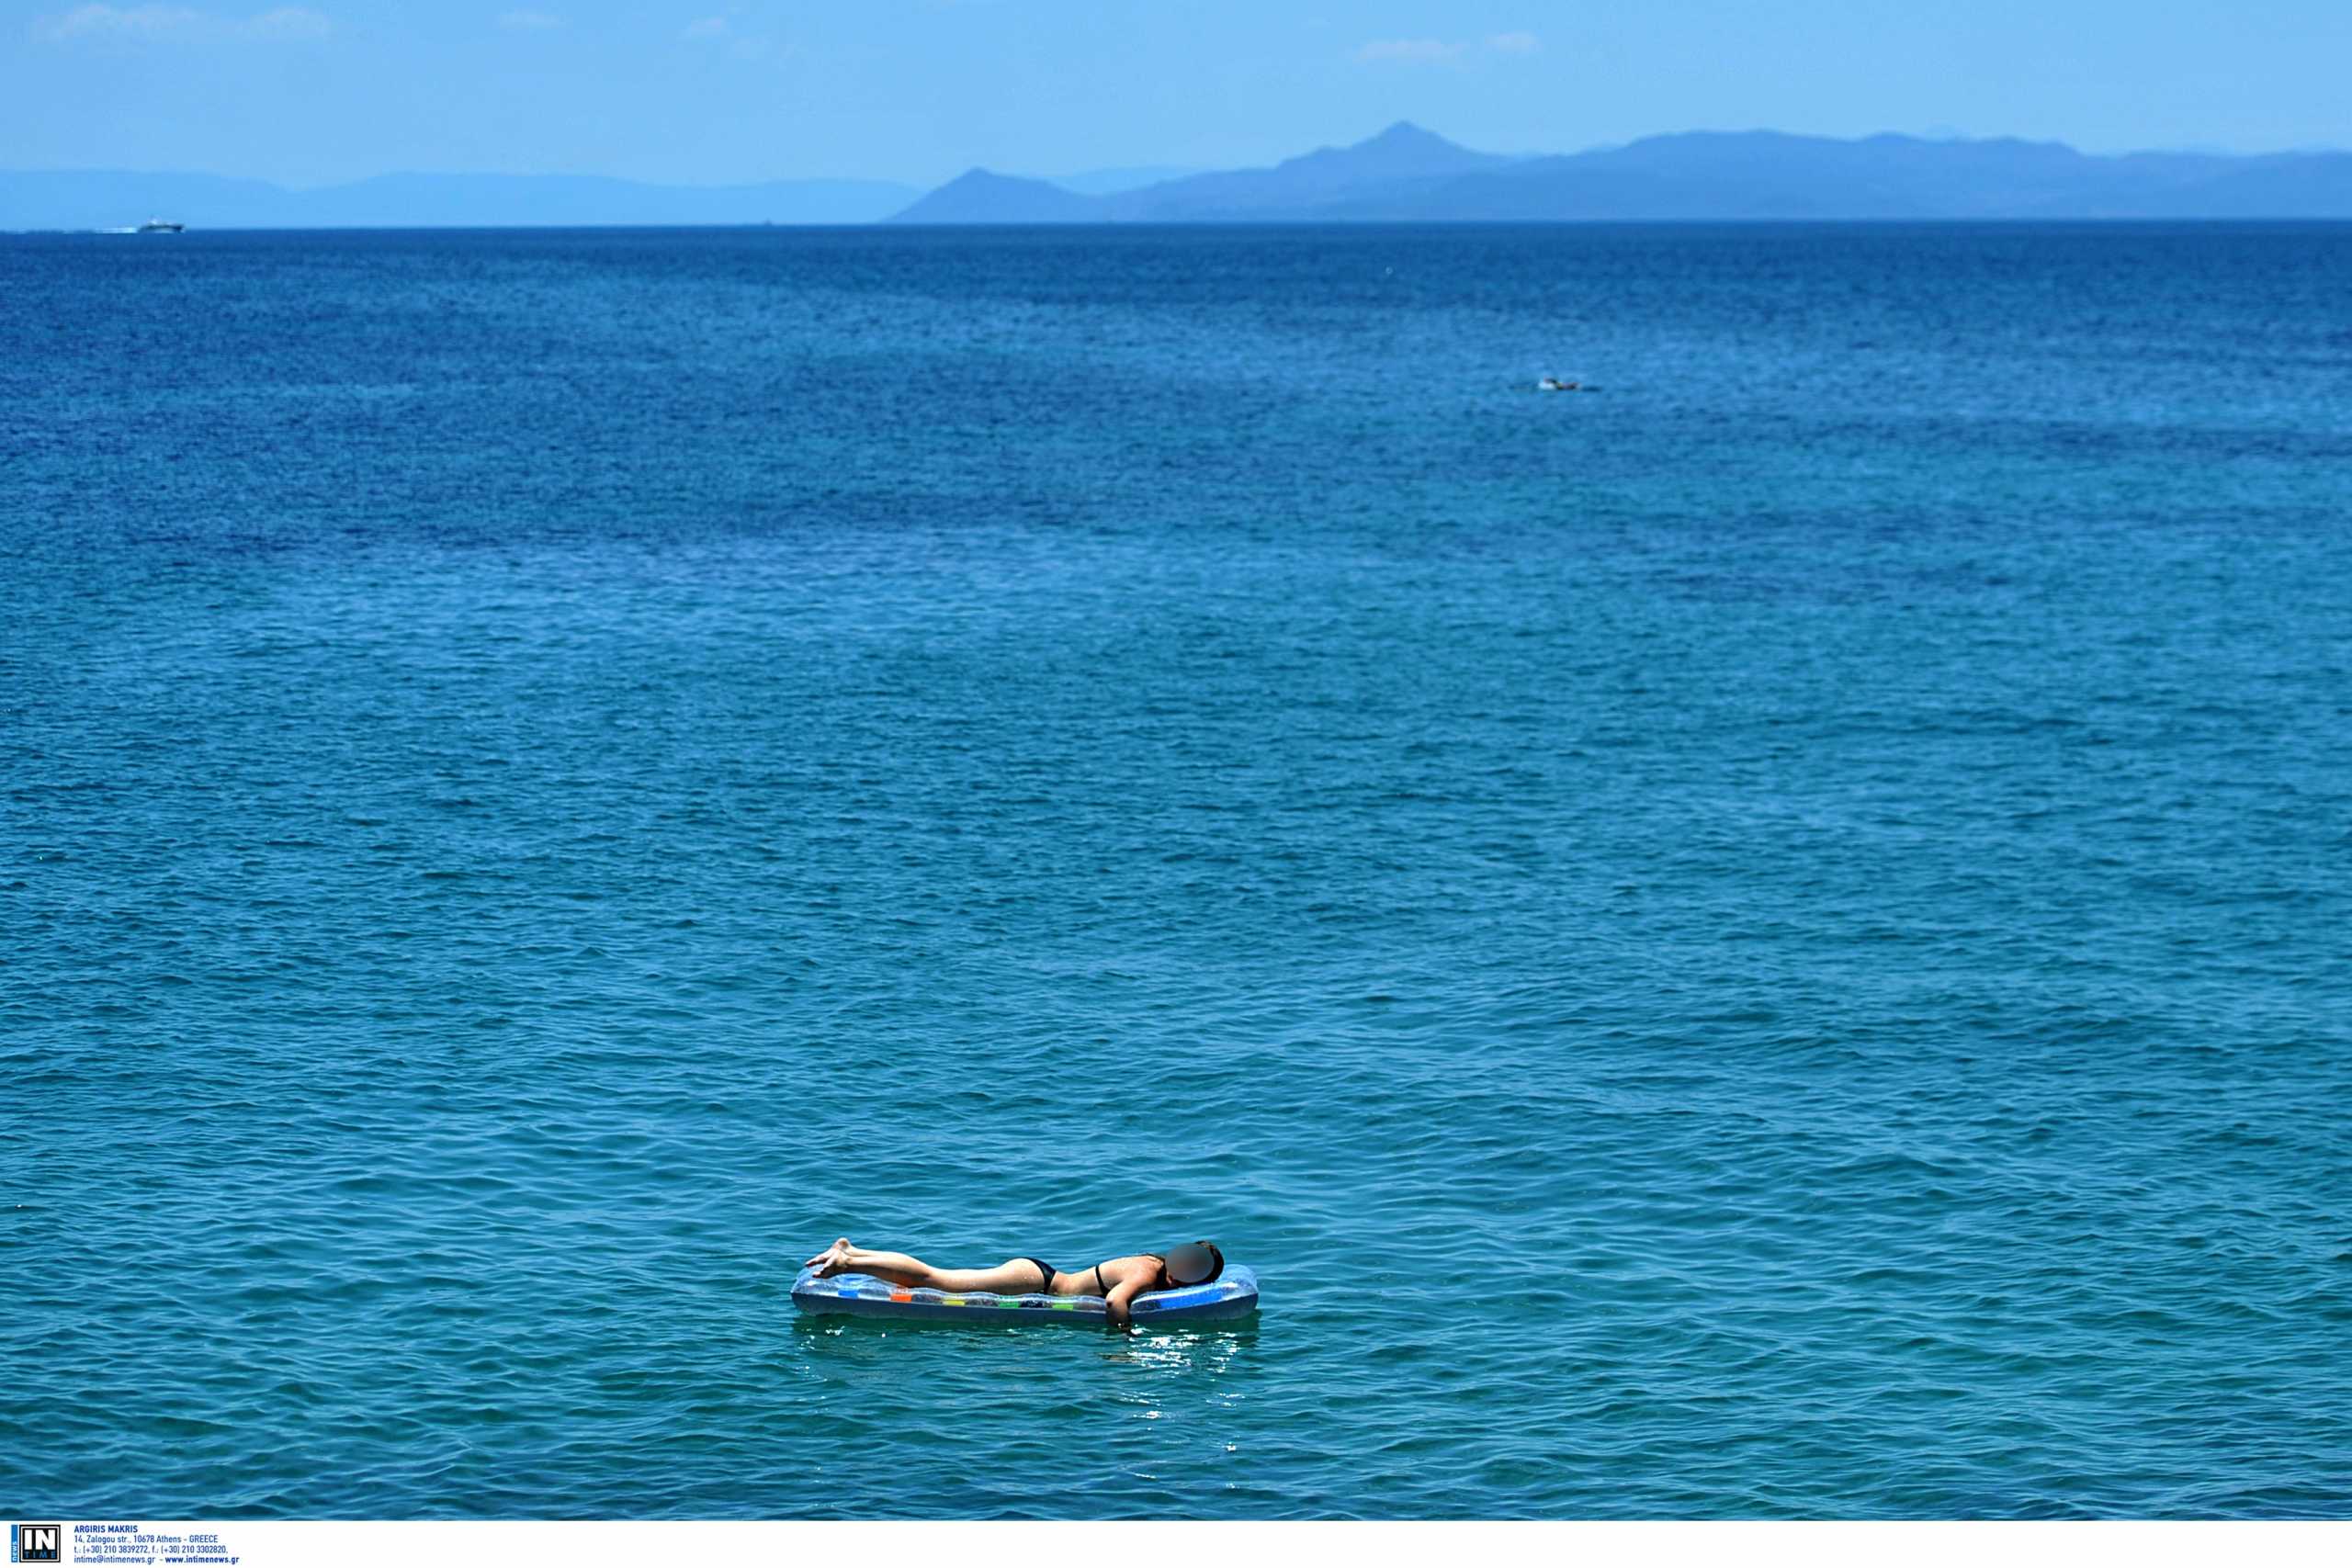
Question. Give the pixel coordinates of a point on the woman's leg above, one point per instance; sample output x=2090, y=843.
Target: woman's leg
x=1014, y=1276
x=898, y=1268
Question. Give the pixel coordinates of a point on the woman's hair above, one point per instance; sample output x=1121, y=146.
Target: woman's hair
x=1216, y=1261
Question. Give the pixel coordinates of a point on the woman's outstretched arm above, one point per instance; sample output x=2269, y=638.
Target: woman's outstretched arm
x=1122, y=1297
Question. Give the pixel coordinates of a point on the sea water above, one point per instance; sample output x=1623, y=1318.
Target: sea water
x=1772, y=938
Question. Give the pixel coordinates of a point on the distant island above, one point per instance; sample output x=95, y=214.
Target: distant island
x=1403, y=174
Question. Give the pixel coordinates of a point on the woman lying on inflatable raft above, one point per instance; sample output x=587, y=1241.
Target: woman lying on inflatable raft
x=1188, y=1282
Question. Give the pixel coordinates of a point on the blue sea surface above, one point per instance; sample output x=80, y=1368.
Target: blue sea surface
x=1775, y=939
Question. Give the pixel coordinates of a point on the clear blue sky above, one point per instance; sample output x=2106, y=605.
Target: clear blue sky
x=918, y=90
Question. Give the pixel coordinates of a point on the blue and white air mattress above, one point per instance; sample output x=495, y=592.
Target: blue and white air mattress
x=1233, y=1293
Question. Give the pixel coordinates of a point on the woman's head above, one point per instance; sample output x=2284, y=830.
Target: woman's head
x=1192, y=1263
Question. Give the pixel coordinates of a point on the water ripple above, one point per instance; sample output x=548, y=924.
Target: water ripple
x=1766, y=944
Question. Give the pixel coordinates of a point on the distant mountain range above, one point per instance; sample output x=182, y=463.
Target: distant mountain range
x=1408, y=173
x=1405, y=174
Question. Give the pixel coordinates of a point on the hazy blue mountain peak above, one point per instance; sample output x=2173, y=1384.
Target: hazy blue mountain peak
x=983, y=196
x=1404, y=149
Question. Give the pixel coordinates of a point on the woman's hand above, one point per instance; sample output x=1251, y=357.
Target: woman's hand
x=1116, y=1306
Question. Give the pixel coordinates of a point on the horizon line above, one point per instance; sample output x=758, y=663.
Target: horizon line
x=919, y=184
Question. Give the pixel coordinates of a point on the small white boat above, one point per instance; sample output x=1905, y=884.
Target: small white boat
x=160, y=226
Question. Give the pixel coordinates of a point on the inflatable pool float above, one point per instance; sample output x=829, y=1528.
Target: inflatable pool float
x=1233, y=1293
